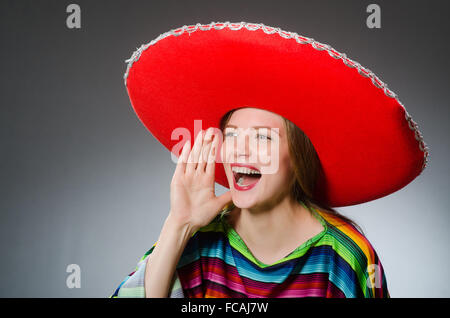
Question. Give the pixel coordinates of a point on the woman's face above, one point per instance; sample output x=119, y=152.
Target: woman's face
x=256, y=159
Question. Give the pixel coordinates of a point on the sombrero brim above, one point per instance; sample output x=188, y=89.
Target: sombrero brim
x=367, y=143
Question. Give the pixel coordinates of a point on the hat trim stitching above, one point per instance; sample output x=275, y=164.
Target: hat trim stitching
x=365, y=72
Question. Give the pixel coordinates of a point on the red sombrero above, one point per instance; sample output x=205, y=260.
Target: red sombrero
x=367, y=143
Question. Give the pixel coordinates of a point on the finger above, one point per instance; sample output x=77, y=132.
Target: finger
x=223, y=199
x=203, y=159
x=193, y=156
x=182, y=159
x=211, y=164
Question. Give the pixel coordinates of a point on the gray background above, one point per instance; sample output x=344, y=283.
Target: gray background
x=82, y=181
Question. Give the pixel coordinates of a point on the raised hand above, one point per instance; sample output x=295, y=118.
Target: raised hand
x=192, y=198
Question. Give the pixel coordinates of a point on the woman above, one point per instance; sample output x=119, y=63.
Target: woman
x=281, y=243
x=274, y=234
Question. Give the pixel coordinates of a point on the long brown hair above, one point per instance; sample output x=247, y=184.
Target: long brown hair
x=307, y=169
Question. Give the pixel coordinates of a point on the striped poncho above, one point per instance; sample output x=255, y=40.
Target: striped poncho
x=338, y=262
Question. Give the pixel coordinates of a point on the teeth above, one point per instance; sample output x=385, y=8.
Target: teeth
x=245, y=170
x=240, y=181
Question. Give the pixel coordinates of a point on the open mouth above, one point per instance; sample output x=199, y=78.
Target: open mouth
x=245, y=177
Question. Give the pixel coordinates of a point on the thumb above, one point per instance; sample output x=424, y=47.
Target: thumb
x=223, y=199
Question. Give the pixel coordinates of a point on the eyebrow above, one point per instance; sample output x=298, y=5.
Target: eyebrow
x=256, y=127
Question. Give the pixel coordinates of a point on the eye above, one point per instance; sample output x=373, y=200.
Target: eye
x=230, y=134
x=263, y=137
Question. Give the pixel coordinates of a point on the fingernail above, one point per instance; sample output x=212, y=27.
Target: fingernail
x=208, y=134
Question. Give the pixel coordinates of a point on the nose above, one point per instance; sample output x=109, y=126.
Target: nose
x=242, y=147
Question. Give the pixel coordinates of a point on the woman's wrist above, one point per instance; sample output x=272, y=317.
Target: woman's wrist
x=174, y=223
x=175, y=227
